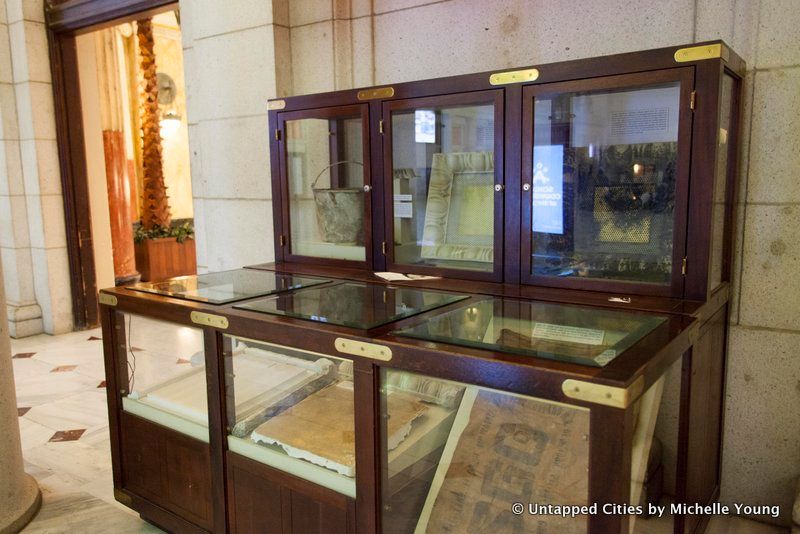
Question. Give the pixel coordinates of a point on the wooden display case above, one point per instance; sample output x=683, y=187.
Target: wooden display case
x=571, y=358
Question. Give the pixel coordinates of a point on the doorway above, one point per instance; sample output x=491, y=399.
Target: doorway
x=123, y=144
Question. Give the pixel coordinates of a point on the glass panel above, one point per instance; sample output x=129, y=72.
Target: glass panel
x=457, y=457
x=720, y=182
x=292, y=410
x=166, y=375
x=604, y=174
x=443, y=185
x=654, y=455
x=354, y=304
x=228, y=286
x=589, y=336
x=325, y=167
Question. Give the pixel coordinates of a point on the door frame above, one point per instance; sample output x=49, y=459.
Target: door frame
x=64, y=20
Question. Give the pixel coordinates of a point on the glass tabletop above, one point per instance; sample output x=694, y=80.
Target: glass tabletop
x=227, y=286
x=354, y=304
x=577, y=334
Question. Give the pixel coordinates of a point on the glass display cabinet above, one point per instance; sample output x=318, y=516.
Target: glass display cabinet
x=548, y=357
x=326, y=185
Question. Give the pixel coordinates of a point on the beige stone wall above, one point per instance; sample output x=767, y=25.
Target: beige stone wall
x=239, y=55
x=32, y=235
x=229, y=52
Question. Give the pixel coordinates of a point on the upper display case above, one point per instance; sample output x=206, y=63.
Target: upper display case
x=611, y=176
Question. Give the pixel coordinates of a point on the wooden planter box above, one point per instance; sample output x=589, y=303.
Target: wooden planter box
x=158, y=259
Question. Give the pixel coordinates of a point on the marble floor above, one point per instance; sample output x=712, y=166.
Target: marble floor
x=63, y=421
x=64, y=426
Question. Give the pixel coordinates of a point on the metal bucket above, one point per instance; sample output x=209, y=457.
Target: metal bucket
x=340, y=212
x=340, y=215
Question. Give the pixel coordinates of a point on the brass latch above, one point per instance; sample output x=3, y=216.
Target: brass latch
x=282, y=240
x=693, y=100
x=380, y=126
x=683, y=266
x=383, y=248
x=277, y=135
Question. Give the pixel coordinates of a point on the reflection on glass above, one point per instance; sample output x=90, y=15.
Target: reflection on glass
x=720, y=179
x=227, y=286
x=592, y=337
x=654, y=454
x=354, y=304
x=603, y=183
x=457, y=457
x=166, y=375
x=325, y=169
x=443, y=179
x=292, y=410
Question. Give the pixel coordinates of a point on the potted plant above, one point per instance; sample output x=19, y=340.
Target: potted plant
x=162, y=250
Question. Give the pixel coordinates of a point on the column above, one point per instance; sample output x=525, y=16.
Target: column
x=110, y=70
x=19, y=494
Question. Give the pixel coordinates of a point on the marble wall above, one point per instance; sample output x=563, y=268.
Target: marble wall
x=322, y=45
x=32, y=235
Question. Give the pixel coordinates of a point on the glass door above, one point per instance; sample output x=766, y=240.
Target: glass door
x=444, y=160
x=605, y=177
x=326, y=186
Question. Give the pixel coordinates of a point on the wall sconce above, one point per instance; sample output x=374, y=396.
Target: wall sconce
x=170, y=124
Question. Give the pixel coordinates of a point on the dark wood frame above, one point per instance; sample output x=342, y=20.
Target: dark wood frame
x=493, y=97
x=685, y=76
x=65, y=20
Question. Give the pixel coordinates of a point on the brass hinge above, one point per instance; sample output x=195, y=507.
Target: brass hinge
x=683, y=266
x=277, y=135
x=693, y=100
x=282, y=240
x=380, y=126
x=383, y=248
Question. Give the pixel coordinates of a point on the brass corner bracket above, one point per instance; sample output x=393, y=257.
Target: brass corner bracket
x=514, y=76
x=699, y=53
x=377, y=92
x=602, y=394
x=108, y=300
x=276, y=104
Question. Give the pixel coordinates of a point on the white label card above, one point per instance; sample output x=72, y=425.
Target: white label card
x=403, y=198
x=403, y=210
x=572, y=334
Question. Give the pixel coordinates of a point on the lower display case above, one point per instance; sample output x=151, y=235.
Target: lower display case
x=449, y=419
